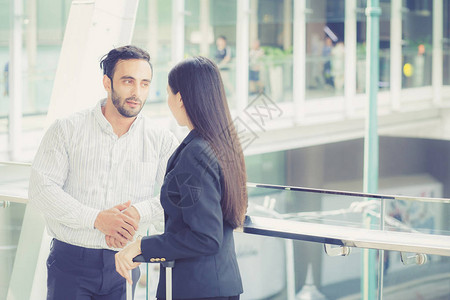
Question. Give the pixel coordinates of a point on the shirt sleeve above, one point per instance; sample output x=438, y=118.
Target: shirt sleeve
x=193, y=189
x=151, y=212
x=48, y=175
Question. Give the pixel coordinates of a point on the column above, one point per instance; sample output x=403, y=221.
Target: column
x=242, y=49
x=373, y=12
x=438, y=59
x=31, y=45
x=396, y=53
x=287, y=27
x=15, y=82
x=299, y=58
x=152, y=23
x=178, y=13
x=205, y=28
x=253, y=27
x=350, y=56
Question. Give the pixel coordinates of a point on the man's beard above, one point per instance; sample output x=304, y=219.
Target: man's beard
x=128, y=113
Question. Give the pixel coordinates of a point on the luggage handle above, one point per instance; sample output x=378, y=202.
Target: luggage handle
x=166, y=264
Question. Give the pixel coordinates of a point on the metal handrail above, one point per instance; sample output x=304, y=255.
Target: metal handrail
x=15, y=163
x=14, y=199
x=6, y=199
x=348, y=193
x=349, y=236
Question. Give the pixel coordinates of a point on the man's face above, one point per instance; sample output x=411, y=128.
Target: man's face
x=130, y=86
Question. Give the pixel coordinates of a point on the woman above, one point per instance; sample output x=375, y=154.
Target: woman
x=204, y=192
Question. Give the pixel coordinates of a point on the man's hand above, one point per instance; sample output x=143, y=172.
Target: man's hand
x=112, y=222
x=130, y=211
x=133, y=213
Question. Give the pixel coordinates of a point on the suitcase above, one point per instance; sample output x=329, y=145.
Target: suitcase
x=166, y=264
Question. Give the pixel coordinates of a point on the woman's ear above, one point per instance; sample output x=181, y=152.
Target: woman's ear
x=179, y=100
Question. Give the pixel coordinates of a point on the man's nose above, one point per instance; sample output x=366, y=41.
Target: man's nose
x=138, y=91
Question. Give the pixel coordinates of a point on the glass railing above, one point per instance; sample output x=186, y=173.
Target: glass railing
x=410, y=234
x=297, y=240
x=13, y=198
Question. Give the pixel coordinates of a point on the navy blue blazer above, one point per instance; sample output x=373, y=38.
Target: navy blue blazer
x=195, y=235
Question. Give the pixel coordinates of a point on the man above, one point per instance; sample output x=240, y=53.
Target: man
x=93, y=179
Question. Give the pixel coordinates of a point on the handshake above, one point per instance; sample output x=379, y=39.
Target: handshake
x=119, y=224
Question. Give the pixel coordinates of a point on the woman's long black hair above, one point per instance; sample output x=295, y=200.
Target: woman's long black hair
x=199, y=82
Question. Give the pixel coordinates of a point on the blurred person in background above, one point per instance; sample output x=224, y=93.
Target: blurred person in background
x=223, y=57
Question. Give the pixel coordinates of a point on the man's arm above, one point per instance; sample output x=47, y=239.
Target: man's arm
x=48, y=175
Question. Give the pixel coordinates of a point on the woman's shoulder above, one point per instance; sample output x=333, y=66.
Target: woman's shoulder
x=199, y=150
x=198, y=146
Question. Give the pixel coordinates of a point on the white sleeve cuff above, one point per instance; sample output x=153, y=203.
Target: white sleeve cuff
x=88, y=217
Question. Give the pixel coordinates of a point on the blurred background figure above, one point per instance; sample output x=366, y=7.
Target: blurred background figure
x=326, y=54
x=419, y=64
x=6, y=79
x=255, y=65
x=338, y=66
x=222, y=58
x=223, y=53
x=317, y=80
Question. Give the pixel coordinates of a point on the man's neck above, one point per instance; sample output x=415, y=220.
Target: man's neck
x=119, y=123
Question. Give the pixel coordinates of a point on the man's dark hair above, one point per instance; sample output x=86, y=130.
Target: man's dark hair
x=109, y=61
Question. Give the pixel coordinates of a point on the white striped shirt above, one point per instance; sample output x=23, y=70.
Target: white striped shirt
x=82, y=168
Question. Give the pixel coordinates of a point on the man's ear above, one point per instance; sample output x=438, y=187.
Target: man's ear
x=107, y=83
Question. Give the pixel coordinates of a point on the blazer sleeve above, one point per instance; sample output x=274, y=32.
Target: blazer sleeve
x=193, y=195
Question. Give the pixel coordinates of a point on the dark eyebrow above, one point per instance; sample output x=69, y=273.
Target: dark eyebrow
x=127, y=77
x=131, y=77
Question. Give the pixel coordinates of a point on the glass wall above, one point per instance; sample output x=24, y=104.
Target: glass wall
x=417, y=43
x=43, y=26
x=446, y=42
x=325, y=50
x=11, y=219
x=4, y=64
x=210, y=30
x=13, y=183
x=271, y=45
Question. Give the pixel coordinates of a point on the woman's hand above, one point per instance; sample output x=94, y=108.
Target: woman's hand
x=124, y=259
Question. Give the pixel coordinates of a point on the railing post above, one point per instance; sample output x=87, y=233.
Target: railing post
x=373, y=12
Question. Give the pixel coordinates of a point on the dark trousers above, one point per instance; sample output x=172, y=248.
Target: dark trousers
x=77, y=273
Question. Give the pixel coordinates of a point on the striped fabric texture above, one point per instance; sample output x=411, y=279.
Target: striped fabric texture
x=82, y=168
